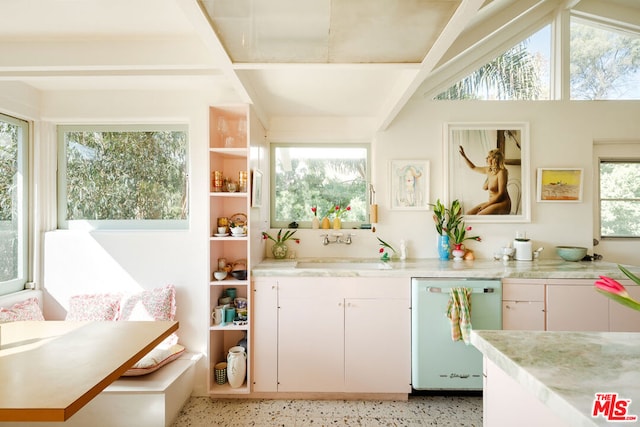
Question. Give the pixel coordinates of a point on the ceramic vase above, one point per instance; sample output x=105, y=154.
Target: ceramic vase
x=315, y=223
x=326, y=224
x=279, y=250
x=443, y=247
x=337, y=223
x=457, y=252
x=236, y=366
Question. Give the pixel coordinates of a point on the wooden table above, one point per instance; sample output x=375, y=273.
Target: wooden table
x=51, y=369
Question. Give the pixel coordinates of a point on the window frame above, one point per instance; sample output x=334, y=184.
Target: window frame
x=307, y=224
x=132, y=224
x=18, y=284
x=600, y=161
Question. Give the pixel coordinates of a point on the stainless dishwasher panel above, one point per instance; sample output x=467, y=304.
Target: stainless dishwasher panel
x=437, y=362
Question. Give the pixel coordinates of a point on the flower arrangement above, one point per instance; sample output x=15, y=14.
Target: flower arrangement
x=339, y=211
x=384, y=255
x=449, y=222
x=616, y=291
x=280, y=238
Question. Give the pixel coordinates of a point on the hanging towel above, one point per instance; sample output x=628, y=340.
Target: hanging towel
x=459, y=313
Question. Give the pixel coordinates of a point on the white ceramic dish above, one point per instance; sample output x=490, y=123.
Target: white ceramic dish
x=239, y=235
x=221, y=235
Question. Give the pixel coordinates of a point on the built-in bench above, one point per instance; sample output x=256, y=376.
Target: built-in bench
x=151, y=400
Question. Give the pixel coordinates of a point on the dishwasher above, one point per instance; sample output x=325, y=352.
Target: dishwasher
x=438, y=362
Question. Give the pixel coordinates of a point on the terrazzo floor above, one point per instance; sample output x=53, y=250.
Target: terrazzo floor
x=459, y=411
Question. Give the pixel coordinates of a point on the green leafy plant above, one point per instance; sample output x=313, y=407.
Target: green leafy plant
x=281, y=238
x=384, y=254
x=449, y=222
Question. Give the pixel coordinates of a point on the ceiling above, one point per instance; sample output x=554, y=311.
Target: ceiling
x=289, y=58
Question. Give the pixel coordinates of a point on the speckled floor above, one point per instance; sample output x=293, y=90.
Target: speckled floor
x=458, y=411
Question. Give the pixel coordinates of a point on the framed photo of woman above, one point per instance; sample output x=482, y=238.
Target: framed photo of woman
x=488, y=170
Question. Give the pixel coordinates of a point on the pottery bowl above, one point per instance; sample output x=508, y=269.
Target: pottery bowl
x=220, y=275
x=239, y=274
x=571, y=253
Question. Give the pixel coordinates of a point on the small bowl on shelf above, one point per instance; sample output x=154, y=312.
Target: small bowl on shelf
x=220, y=275
x=239, y=274
x=571, y=253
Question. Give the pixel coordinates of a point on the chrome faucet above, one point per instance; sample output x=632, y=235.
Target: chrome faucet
x=336, y=238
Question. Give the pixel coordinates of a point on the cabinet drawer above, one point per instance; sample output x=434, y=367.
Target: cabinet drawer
x=511, y=292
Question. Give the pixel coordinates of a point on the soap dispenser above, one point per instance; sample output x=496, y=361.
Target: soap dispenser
x=523, y=248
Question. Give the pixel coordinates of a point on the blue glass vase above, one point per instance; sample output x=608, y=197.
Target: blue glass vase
x=443, y=247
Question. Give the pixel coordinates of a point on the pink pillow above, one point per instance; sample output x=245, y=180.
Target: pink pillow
x=153, y=304
x=94, y=307
x=23, y=310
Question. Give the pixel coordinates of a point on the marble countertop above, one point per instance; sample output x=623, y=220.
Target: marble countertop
x=565, y=370
x=539, y=269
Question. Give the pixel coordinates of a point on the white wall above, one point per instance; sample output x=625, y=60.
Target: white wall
x=561, y=135
x=81, y=262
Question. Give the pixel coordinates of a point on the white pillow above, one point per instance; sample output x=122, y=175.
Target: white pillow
x=154, y=360
x=23, y=310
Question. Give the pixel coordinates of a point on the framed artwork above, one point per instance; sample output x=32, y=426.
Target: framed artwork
x=488, y=170
x=256, y=188
x=409, y=184
x=560, y=184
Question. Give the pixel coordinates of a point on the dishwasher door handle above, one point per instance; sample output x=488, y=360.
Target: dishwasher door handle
x=473, y=291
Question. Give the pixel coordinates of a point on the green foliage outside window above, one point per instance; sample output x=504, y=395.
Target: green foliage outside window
x=321, y=176
x=9, y=208
x=619, y=199
x=125, y=175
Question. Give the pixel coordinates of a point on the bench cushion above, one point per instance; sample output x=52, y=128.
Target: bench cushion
x=155, y=359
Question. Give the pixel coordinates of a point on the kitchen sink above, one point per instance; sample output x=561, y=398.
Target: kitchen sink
x=344, y=265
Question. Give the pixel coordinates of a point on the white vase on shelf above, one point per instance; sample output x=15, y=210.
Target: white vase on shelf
x=236, y=366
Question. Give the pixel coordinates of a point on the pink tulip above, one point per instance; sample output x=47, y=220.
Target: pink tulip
x=607, y=284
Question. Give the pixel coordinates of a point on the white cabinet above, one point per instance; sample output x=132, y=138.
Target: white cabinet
x=621, y=317
x=334, y=334
x=264, y=345
x=377, y=345
x=574, y=305
x=523, y=305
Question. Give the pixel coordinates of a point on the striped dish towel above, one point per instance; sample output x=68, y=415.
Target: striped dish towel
x=459, y=313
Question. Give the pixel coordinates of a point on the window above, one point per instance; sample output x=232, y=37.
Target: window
x=520, y=73
x=304, y=176
x=605, y=62
x=14, y=137
x=619, y=198
x=124, y=177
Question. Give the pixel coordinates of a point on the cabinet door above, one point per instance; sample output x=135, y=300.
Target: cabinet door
x=621, y=317
x=264, y=347
x=310, y=343
x=576, y=308
x=523, y=315
x=377, y=345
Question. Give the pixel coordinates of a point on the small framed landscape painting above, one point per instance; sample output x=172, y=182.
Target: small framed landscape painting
x=560, y=184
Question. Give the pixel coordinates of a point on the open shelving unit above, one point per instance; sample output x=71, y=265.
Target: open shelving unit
x=228, y=154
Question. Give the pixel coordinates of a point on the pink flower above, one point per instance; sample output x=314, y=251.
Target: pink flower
x=469, y=228
x=348, y=208
x=614, y=290
x=607, y=284
x=381, y=250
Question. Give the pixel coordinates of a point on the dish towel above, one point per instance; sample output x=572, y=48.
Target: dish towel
x=459, y=313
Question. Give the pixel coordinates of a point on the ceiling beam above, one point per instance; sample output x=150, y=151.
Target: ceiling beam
x=198, y=17
x=460, y=19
